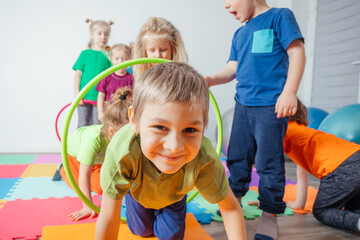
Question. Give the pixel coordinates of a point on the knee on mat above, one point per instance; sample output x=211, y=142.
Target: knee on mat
x=142, y=231
x=318, y=214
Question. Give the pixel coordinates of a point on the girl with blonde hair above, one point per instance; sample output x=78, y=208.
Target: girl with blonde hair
x=158, y=38
x=120, y=78
x=90, y=63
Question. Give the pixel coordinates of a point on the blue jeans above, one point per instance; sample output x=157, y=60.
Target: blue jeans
x=166, y=224
x=257, y=137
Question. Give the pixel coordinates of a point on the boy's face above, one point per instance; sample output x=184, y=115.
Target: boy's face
x=170, y=134
x=119, y=56
x=241, y=9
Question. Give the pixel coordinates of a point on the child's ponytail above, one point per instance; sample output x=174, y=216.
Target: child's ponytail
x=116, y=110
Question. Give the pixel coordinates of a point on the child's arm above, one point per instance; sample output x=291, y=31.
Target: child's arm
x=286, y=104
x=233, y=217
x=85, y=186
x=302, y=185
x=77, y=79
x=108, y=223
x=100, y=105
x=226, y=75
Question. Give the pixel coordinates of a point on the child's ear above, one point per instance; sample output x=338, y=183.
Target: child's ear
x=132, y=119
x=111, y=131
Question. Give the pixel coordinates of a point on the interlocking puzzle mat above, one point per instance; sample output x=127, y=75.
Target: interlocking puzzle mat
x=39, y=187
x=86, y=231
x=25, y=218
x=208, y=210
x=12, y=171
x=290, y=195
x=29, y=199
x=16, y=159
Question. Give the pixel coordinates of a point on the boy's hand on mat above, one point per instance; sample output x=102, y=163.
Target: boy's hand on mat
x=83, y=213
x=294, y=205
x=286, y=105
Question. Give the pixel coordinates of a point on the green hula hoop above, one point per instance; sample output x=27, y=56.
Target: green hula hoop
x=81, y=95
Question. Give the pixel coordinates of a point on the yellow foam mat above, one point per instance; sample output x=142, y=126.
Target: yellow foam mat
x=40, y=170
x=86, y=231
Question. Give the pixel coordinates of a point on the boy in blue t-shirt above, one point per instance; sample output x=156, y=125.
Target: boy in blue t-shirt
x=268, y=59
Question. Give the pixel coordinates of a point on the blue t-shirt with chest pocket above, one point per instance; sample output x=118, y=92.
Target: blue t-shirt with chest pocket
x=260, y=47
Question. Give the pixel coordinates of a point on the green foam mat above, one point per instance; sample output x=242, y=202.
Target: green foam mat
x=250, y=211
x=17, y=159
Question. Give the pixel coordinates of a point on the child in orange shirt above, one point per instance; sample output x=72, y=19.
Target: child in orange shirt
x=336, y=162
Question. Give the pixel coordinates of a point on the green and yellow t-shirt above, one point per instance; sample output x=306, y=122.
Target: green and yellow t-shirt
x=127, y=169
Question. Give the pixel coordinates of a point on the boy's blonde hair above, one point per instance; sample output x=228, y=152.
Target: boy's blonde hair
x=171, y=82
x=116, y=110
x=121, y=47
x=165, y=30
x=301, y=114
x=95, y=24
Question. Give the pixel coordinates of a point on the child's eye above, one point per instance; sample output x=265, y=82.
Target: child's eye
x=151, y=50
x=160, y=127
x=190, y=130
x=163, y=50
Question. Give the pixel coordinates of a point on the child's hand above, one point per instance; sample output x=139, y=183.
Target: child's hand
x=83, y=213
x=208, y=80
x=294, y=205
x=286, y=105
x=81, y=103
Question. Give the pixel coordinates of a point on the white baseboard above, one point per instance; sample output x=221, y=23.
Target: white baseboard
x=30, y=147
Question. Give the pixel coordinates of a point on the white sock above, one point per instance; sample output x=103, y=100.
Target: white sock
x=268, y=225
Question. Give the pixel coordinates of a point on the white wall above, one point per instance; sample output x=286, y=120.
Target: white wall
x=42, y=39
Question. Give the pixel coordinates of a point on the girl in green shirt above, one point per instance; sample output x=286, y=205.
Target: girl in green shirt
x=87, y=147
x=90, y=63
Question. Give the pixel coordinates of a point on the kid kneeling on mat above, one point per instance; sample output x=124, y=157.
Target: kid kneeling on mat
x=336, y=162
x=87, y=147
x=162, y=155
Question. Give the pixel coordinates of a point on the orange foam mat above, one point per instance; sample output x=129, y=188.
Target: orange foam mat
x=290, y=195
x=87, y=231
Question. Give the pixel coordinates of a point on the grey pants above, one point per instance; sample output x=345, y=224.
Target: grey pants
x=338, y=201
x=87, y=115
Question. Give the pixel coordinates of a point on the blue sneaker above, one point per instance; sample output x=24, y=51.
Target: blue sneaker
x=57, y=176
x=218, y=212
